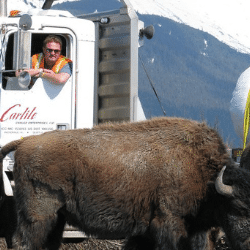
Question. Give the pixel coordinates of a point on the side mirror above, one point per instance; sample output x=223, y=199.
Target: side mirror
x=22, y=51
x=24, y=79
x=148, y=32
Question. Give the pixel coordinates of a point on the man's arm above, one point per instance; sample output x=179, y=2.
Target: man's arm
x=59, y=78
x=32, y=72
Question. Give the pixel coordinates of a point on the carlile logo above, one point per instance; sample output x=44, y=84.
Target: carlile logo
x=10, y=114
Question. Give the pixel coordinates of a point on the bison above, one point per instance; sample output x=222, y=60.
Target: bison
x=160, y=184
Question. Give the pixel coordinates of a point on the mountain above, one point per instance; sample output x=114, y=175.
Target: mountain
x=194, y=60
x=194, y=75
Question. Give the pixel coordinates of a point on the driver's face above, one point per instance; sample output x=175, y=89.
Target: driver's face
x=52, y=52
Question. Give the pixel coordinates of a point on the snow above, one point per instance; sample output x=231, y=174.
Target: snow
x=227, y=20
x=238, y=103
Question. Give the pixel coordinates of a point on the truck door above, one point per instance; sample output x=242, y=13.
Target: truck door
x=35, y=109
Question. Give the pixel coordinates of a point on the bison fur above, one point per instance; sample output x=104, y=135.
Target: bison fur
x=150, y=182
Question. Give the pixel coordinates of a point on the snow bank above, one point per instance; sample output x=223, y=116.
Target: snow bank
x=238, y=103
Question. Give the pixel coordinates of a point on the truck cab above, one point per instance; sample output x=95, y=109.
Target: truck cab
x=103, y=86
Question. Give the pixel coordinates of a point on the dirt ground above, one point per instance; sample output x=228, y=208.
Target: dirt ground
x=94, y=244
x=86, y=244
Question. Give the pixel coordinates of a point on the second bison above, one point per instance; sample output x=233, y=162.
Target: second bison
x=159, y=183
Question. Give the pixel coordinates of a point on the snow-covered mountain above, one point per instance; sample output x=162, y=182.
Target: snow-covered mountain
x=225, y=20
x=199, y=50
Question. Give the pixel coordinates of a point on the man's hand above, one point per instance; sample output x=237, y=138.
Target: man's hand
x=32, y=72
x=59, y=78
x=49, y=73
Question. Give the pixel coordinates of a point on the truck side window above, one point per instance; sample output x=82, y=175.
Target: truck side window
x=36, y=48
x=9, y=53
x=8, y=61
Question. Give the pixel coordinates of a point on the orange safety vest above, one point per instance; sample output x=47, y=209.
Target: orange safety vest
x=38, y=62
x=14, y=12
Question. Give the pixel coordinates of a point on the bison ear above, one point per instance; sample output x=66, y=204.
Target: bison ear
x=210, y=183
x=211, y=186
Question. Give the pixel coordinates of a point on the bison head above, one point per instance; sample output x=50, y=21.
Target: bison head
x=233, y=185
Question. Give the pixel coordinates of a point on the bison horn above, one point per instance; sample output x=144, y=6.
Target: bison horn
x=222, y=188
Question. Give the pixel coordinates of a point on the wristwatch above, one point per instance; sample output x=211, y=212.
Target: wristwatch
x=40, y=72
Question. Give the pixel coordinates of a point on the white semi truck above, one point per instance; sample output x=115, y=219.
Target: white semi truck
x=104, y=82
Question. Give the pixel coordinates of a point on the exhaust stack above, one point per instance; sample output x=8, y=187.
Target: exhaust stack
x=3, y=8
x=47, y=5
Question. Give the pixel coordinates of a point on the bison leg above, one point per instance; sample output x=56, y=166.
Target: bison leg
x=45, y=232
x=30, y=235
x=165, y=232
x=8, y=220
x=139, y=243
x=55, y=235
x=203, y=241
x=38, y=218
x=169, y=232
x=36, y=235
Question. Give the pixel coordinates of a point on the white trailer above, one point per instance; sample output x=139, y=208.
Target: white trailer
x=104, y=82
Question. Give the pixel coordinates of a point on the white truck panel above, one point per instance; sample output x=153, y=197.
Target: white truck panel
x=34, y=111
x=84, y=29
x=85, y=86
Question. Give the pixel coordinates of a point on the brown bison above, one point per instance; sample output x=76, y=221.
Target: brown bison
x=157, y=183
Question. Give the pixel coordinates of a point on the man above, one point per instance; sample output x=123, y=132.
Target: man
x=50, y=64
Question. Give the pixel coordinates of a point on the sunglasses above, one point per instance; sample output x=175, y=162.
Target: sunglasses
x=55, y=50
